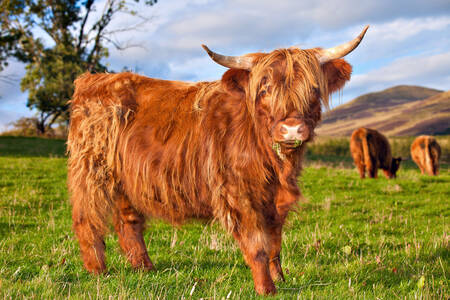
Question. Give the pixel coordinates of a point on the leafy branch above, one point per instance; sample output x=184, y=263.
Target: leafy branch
x=73, y=43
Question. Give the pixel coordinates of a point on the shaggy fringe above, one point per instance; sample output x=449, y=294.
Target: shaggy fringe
x=302, y=76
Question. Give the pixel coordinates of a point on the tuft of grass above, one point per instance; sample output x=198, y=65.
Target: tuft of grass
x=350, y=238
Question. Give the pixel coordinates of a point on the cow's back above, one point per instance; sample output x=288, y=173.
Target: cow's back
x=113, y=101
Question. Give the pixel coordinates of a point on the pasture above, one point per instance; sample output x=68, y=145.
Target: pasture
x=351, y=238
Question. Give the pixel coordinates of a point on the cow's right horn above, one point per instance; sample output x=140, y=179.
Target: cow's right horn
x=232, y=62
x=326, y=55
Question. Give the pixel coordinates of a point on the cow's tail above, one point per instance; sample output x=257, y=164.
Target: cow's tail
x=92, y=143
x=434, y=152
x=366, y=154
x=428, y=156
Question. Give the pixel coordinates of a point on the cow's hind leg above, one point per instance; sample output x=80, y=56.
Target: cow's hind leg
x=373, y=171
x=422, y=169
x=129, y=225
x=92, y=245
x=361, y=169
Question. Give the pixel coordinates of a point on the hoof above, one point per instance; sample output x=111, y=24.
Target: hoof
x=96, y=269
x=275, y=271
x=266, y=290
x=142, y=263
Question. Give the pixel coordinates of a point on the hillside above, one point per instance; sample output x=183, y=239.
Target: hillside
x=397, y=111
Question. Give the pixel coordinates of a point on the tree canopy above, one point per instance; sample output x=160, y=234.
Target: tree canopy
x=58, y=40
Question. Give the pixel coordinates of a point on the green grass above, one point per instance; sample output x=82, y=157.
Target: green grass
x=12, y=146
x=350, y=238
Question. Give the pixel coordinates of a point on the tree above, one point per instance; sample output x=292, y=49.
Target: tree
x=67, y=47
x=8, y=37
x=23, y=127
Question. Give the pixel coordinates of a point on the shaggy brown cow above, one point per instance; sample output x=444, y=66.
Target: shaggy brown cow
x=425, y=151
x=142, y=147
x=370, y=151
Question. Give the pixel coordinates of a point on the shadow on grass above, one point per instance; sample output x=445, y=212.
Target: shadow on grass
x=11, y=146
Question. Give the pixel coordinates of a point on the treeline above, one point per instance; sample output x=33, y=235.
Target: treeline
x=29, y=127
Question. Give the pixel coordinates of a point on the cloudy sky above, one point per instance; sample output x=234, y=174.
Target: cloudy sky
x=408, y=41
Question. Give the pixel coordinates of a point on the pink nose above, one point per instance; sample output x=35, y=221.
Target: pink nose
x=292, y=133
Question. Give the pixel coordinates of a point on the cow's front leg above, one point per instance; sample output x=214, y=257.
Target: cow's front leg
x=255, y=255
x=284, y=199
x=276, y=272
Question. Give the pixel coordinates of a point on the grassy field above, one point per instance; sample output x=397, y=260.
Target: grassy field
x=351, y=238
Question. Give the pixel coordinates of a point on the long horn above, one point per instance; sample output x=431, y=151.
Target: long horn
x=325, y=55
x=232, y=62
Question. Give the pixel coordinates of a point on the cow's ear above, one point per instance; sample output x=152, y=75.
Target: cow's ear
x=235, y=82
x=337, y=72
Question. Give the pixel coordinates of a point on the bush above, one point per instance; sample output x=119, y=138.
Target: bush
x=330, y=146
x=401, y=146
x=28, y=127
x=23, y=127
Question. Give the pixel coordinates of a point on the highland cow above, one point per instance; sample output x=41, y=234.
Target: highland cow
x=142, y=147
x=425, y=151
x=371, y=150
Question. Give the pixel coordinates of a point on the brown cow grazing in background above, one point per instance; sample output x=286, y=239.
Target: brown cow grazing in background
x=371, y=150
x=425, y=151
x=142, y=147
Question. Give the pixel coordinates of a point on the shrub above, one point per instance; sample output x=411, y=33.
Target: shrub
x=28, y=127
x=330, y=146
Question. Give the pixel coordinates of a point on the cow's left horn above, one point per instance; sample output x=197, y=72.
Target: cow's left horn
x=232, y=62
x=325, y=55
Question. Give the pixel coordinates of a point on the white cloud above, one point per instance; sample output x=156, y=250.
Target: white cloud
x=404, y=37
x=429, y=71
x=238, y=26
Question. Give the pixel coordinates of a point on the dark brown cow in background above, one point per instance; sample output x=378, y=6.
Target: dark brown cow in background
x=371, y=150
x=425, y=151
x=142, y=147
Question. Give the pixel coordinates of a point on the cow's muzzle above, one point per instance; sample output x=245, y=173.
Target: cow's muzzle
x=291, y=132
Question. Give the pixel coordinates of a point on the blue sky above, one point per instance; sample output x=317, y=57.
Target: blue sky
x=408, y=41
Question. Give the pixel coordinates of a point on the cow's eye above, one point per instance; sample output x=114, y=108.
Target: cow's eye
x=262, y=93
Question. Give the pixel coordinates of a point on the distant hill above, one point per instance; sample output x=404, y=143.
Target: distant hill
x=397, y=111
